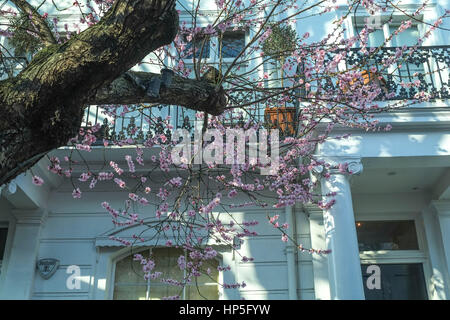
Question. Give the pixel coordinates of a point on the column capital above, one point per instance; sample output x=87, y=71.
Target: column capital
x=33, y=216
x=313, y=211
x=441, y=207
x=347, y=165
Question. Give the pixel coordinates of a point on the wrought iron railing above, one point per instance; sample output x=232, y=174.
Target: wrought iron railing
x=428, y=65
x=139, y=124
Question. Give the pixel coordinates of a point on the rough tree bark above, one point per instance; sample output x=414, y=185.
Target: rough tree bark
x=42, y=108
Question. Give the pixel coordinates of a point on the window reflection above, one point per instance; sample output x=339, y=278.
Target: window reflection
x=199, y=45
x=232, y=43
x=398, y=282
x=386, y=235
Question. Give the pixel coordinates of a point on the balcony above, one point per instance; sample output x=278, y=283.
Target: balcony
x=429, y=65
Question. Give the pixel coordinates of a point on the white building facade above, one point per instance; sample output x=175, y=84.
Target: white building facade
x=391, y=217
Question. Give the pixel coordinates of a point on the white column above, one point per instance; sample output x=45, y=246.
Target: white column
x=442, y=208
x=21, y=268
x=439, y=277
x=344, y=266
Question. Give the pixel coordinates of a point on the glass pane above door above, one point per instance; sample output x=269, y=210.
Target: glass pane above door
x=386, y=235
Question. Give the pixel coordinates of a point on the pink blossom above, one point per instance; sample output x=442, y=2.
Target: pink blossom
x=116, y=167
x=76, y=193
x=232, y=193
x=130, y=163
x=120, y=182
x=133, y=196
x=37, y=180
x=274, y=218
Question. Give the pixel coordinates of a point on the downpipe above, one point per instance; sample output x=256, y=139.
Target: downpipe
x=291, y=255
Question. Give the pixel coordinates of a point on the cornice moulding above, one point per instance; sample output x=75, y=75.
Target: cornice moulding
x=442, y=207
x=30, y=216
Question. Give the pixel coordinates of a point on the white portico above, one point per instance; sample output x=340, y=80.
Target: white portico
x=393, y=215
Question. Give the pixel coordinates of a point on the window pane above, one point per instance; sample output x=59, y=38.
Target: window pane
x=194, y=292
x=376, y=38
x=232, y=43
x=407, y=68
x=201, y=45
x=398, y=282
x=159, y=292
x=205, y=286
x=166, y=262
x=212, y=277
x=3, y=234
x=129, y=271
x=130, y=292
x=386, y=235
x=408, y=37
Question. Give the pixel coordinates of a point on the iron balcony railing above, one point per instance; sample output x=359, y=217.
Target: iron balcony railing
x=428, y=65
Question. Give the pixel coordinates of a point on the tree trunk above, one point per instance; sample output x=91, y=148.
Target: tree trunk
x=42, y=108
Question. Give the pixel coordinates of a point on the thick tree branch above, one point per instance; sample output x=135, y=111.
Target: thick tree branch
x=43, y=31
x=42, y=108
x=198, y=95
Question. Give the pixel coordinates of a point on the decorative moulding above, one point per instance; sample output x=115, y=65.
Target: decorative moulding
x=442, y=207
x=354, y=165
x=37, y=216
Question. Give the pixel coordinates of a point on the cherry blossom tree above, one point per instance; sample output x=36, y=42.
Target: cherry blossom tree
x=71, y=67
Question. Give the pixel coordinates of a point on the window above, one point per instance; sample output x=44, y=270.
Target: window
x=378, y=36
x=393, y=246
x=219, y=51
x=3, y=236
x=407, y=38
x=231, y=43
x=398, y=282
x=129, y=282
x=386, y=235
x=199, y=45
x=407, y=69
